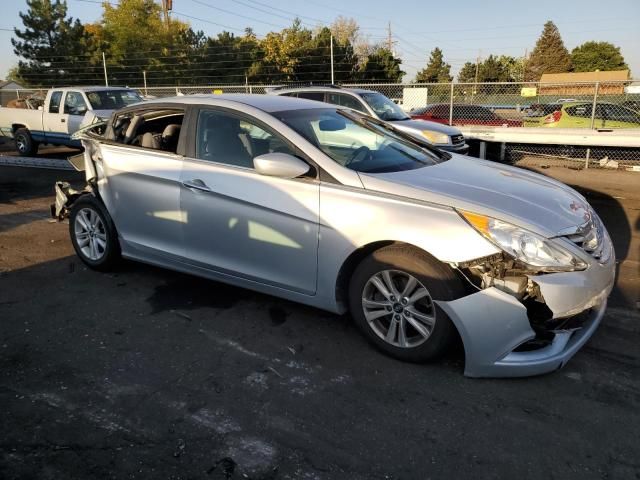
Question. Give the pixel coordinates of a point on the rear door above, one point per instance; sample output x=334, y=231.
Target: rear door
x=54, y=120
x=141, y=187
x=239, y=222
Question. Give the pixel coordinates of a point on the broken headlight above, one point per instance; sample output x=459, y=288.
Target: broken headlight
x=525, y=246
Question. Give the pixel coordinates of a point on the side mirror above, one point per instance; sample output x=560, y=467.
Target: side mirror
x=280, y=165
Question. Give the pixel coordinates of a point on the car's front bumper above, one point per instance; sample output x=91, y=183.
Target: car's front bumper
x=460, y=148
x=493, y=324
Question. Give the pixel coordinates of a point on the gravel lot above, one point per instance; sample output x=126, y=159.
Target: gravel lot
x=145, y=373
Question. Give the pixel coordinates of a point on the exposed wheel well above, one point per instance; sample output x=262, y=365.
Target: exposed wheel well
x=350, y=264
x=16, y=126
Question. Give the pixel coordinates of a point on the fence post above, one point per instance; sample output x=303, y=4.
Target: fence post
x=451, y=106
x=18, y=94
x=593, y=107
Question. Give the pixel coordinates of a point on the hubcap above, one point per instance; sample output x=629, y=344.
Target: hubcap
x=398, y=308
x=21, y=144
x=91, y=236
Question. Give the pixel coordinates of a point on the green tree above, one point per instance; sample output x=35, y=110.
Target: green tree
x=467, y=73
x=381, y=65
x=53, y=48
x=136, y=38
x=436, y=70
x=603, y=56
x=549, y=55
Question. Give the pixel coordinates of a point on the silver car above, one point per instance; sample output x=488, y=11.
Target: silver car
x=328, y=207
x=375, y=104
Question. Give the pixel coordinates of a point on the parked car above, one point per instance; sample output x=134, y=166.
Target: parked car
x=328, y=207
x=535, y=113
x=377, y=105
x=63, y=113
x=578, y=115
x=632, y=104
x=463, y=115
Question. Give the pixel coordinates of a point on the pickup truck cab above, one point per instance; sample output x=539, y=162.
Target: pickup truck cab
x=62, y=114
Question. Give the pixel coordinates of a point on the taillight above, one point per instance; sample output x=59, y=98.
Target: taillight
x=554, y=117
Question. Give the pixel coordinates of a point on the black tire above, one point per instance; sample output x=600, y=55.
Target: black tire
x=106, y=257
x=25, y=144
x=439, y=280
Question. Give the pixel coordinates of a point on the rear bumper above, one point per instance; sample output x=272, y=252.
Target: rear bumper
x=493, y=324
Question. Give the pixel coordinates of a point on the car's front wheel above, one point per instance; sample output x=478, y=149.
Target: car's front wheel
x=392, y=300
x=93, y=234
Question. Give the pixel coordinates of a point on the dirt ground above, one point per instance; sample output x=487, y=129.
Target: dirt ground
x=146, y=373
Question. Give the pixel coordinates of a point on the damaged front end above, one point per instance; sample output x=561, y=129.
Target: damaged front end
x=520, y=320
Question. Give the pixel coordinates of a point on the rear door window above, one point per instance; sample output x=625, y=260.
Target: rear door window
x=54, y=102
x=346, y=101
x=318, y=96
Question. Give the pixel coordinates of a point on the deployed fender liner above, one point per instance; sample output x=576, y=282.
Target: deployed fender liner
x=492, y=324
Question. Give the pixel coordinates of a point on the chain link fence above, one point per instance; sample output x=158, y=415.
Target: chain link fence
x=599, y=109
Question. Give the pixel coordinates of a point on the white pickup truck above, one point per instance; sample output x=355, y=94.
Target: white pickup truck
x=63, y=113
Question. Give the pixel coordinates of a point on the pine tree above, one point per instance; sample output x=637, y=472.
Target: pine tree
x=381, y=65
x=54, y=47
x=549, y=55
x=467, y=73
x=436, y=70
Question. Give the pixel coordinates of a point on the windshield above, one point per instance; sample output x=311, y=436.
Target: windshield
x=385, y=109
x=112, y=99
x=355, y=142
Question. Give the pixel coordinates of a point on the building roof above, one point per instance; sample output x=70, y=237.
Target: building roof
x=610, y=76
x=4, y=83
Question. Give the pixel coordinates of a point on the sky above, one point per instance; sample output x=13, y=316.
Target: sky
x=464, y=29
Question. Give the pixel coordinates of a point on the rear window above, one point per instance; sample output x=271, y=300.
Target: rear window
x=54, y=102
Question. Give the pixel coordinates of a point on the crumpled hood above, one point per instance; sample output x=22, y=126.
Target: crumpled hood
x=514, y=195
x=418, y=126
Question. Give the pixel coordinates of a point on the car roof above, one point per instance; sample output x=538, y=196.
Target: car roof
x=266, y=103
x=320, y=88
x=97, y=88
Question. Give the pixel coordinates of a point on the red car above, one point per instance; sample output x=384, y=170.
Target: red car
x=463, y=115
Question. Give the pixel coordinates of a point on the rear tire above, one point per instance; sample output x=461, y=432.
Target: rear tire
x=93, y=234
x=25, y=144
x=391, y=298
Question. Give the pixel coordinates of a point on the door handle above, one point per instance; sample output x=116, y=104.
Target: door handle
x=62, y=120
x=196, y=184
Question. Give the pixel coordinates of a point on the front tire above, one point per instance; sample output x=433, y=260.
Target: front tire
x=25, y=144
x=93, y=234
x=391, y=298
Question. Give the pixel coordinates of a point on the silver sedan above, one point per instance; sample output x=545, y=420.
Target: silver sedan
x=335, y=209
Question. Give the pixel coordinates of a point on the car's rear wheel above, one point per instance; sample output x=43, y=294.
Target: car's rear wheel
x=392, y=300
x=93, y=234
x=25, y=144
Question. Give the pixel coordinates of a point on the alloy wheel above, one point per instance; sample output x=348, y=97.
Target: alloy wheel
x=90, y=233
x=398, y=308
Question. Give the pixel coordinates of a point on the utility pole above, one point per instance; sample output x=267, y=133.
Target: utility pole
x=167, y=5
x=332, y=79
x=104, y=65
x=389, y=38
x=524, y=64
x=475, y=80
x=144, y=76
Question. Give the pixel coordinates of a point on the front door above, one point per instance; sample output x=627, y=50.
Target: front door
x=239, y=222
